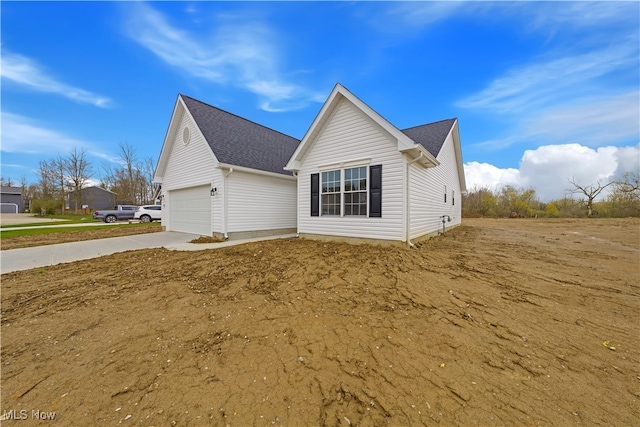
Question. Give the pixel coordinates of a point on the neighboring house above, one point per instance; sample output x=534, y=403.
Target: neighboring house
x=361, y=177
x=11, y=200
x=93, y=197
x=223, y=175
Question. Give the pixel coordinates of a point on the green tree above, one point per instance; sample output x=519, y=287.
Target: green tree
x=551, y=211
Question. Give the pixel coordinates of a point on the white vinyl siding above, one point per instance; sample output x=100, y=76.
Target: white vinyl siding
x=426, y=193
x=191, y=165
x=260, y=202
x=190, y=210
x=350, y=135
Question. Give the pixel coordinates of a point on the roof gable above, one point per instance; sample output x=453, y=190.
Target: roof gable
x=405, y=143
x=431, y=135
x=240, y=142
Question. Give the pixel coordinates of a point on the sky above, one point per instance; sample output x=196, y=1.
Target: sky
x=544, y=92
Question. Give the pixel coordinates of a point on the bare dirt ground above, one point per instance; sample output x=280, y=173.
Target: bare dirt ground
x=499, y=322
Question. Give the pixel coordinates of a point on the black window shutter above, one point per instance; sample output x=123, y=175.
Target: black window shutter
x=375, y=191
x=315, y=194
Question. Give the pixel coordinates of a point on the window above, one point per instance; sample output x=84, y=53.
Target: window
x=355, y=191
x=445, y=194
x=331, y=193
x=453, y=198
x=348, y=192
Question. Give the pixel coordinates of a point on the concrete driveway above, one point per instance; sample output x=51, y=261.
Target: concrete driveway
x=42, y=256
x=21, y=218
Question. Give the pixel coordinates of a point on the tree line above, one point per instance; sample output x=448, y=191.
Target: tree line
x=623, y=200
x=131, y=180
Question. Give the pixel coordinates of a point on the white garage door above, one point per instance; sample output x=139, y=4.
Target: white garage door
x=190, y=210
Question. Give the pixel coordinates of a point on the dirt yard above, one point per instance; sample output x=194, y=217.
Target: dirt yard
x=499, y=322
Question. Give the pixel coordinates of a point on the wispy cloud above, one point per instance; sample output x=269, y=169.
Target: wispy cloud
x=583, y=89
x=243, y=54
x=23, y=135
x=550, y=79
x=555, y=17
x=24, y=71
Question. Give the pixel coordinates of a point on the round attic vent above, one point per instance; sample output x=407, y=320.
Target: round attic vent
x=186, y=134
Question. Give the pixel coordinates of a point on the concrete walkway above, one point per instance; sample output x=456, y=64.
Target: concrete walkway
x=43, y=256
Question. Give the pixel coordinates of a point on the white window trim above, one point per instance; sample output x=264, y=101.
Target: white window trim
x=351, y=164
x=347, y=164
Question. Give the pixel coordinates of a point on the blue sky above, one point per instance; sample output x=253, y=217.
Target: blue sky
x=544, y=91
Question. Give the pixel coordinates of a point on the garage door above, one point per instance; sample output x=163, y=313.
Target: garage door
x=190, y=210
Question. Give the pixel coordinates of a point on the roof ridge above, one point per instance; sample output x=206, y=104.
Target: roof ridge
x=240, y=117
x=431, y=123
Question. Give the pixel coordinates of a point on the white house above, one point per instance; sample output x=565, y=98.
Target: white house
x=361, y=177
x=223, y=175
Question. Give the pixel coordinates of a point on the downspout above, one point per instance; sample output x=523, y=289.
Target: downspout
x=295, y=173
x=226, y=198
x=408, y=194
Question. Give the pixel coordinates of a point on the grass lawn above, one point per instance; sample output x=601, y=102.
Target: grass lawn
x=63, y=219
x=49, y=230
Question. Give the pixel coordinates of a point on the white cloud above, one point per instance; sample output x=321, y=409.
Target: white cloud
x=548, y=169
x=596, y=120
x=27, y=72
x=243, y=54
x=22, y=135
x=572, y=15
x=550, y=81
x=583, y=89
x=485, y=175
x=420, y=14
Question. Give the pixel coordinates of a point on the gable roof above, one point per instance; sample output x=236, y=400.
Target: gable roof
x=405, y=143
x=431, y=135
x=240, y=142
x=93, y=188
x=7, y=189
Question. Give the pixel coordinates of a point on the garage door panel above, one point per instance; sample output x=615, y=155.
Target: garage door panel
x=190, y=210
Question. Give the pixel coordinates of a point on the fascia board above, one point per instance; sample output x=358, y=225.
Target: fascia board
x=256, y=171
x=458, y=151
x=166, y=150
x=404, y=142
x=296, y=158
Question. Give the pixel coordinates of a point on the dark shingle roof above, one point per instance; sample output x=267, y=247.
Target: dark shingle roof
x=6, y=189
x=240, y=142
x=431, y=136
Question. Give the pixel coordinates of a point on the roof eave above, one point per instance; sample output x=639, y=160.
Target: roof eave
x=421, y=155
x=255, y=171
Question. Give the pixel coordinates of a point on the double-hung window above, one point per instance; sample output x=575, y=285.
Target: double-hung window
x=347, y=192
x=355, y=191
x=331, y=194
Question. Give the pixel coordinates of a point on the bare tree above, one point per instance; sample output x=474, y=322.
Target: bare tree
x=58, y=167
x=589, y=191
x=128, y=158
x=6, y=182
x=78, y=171
x=46, y=181
x=630, y=183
